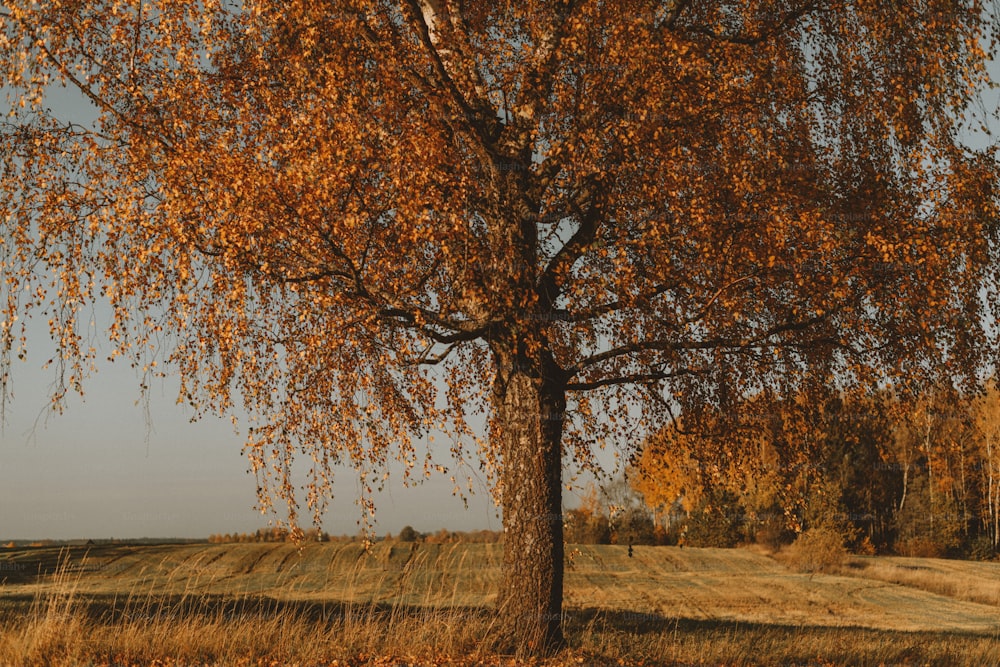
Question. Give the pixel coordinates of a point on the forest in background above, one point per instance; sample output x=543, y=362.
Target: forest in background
x=879, y=474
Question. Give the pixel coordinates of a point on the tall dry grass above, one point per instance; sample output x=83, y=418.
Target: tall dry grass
x=966, y=588
x=65, y=626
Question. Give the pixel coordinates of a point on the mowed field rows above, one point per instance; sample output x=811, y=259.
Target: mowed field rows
x=656, y=586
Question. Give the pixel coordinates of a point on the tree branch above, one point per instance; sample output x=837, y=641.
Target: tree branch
x=640, y=378
x=675, y=13
x=715, y=297
x=754, y=39
x=426, y=358
x=712, y=344
x=470, y=117
x=424, y=320
x=89, y=93
x=573, y=249
x=604, y=309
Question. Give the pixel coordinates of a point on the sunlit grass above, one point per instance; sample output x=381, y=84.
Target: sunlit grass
x=399, y=606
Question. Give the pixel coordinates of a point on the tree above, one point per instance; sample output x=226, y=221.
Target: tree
x=986, y=415
x=370, y=219
x=858, y=444
x=588, y=523
x=628, y=518
x=792, y=463
x=940, y=430
x=739, y=477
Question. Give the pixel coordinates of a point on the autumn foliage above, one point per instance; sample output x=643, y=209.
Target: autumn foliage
x=371, y=222
x=913, y=476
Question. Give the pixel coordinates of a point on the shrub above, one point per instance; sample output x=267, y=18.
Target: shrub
x=408, y=534
x=443, y=536
x=582, y=527
x=920, y=547
x=772, y=529
x=635, y=526
x=982, y=548
x=817, y=550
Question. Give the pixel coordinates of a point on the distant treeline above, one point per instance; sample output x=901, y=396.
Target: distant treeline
x=270, y=534
x=443, y=536
x=78, y=542
x=407, y=534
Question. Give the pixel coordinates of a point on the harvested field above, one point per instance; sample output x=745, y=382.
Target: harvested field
x=710, y=606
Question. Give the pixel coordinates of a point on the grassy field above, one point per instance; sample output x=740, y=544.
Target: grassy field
x=249, y=604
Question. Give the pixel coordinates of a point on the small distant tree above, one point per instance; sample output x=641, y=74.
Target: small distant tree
x=717, y=521
x=408, y=534
x=631, y=521
x=936, y=430
x=587, y=523
x=442, y=536
x=986, y=415
x=635, y=526
x=584, y=527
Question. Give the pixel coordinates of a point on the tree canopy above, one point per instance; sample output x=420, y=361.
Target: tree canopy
x=367, y=220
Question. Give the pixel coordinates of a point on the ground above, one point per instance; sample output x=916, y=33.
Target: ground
x=661, y=591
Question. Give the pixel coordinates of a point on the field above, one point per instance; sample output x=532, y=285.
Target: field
x=402, y=603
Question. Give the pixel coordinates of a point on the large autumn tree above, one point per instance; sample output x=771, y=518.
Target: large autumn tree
x=367, y=220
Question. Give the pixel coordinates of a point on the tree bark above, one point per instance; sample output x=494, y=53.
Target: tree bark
x=992, y=499
x=530, y=401
x=930, y=468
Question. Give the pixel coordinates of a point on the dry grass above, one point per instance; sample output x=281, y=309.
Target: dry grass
x=960, y=580
x=384, y=637
x=64, y=627
x=196, y=638
x=397, y=607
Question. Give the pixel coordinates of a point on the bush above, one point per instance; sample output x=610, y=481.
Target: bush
x=443, y=536
x=981, y=548
x=582, y=527
x=920, y=547
x=635, y=526
x=408, y=534
x=817, y=550
x=772, y=530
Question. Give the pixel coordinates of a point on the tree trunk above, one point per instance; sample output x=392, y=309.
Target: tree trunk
x=993, y=500
x=530, y=400
x=930, y=469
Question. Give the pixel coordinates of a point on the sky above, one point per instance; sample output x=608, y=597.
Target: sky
x=110, y=466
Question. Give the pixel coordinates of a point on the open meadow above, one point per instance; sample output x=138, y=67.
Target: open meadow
x=417, y=603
